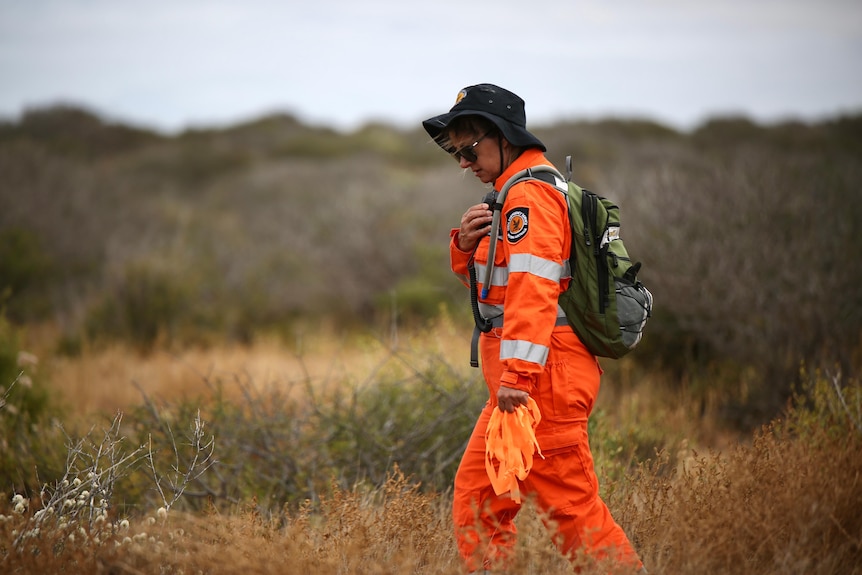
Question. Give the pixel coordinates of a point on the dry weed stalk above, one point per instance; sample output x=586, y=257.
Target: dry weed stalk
x=8, y=390
x=77, y=508
x=201, y=460
x=854, y=416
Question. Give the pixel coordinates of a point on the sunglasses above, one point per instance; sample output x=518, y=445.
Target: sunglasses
x=468, y=152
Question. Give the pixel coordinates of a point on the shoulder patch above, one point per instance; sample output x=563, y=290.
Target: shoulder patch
x=517, y=224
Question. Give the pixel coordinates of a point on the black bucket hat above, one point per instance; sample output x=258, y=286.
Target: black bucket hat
x=500, y=106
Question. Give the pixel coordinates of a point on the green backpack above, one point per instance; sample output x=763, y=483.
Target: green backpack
x=605, y=303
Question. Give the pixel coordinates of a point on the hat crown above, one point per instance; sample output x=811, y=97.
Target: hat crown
x=503, y=108
x=491, y=99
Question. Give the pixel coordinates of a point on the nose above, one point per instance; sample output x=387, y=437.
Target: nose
x=463, y=162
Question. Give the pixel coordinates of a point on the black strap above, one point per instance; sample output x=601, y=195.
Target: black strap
x=546, y=177
x=495, y=322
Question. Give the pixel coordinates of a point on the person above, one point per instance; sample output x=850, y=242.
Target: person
x=530, y=350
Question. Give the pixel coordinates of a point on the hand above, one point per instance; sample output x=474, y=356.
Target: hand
x=508, y=398
x=474, y=226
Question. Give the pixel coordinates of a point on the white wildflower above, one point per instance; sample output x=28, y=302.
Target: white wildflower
x=19, y=508
x=124, y=524
x=69, y=503
x=151, y=520
x=76, y=482
x=127, y=540
x=26, y=359
x=18, y=498
x=162, y=513
x=84, y=494
x=25, y=381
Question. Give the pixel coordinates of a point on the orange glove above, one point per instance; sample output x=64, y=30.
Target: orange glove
x=511, y=440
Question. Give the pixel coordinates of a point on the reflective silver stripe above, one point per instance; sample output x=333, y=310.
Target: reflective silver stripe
x=526, y=263
x=539, y=267
x=499, y=277
x=524, y=350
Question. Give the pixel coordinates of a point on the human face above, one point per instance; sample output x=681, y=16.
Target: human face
x=477, y=153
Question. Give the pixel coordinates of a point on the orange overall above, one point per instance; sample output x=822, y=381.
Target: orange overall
x=533, y=353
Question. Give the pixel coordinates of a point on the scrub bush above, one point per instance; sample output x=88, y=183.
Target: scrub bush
x=28, y=439
x=291, y=441
x=25, y=268
x=785, y=502
x=148, y=303
x=271, y=207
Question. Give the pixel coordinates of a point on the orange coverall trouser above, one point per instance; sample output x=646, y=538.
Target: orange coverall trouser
x=564, y=483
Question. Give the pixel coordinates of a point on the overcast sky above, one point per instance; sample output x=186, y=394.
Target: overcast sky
x=171, y=64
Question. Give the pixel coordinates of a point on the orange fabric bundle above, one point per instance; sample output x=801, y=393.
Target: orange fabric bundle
x=511, y=440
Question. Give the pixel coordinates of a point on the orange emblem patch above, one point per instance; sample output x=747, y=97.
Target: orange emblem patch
x=517, y=224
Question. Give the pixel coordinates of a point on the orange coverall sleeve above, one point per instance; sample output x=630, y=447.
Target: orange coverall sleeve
x=534, y=241
x=458, y=259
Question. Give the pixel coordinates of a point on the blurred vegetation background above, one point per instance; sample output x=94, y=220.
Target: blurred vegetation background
x=113, y=232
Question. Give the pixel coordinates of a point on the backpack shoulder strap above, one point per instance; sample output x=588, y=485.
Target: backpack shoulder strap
x=497, y=208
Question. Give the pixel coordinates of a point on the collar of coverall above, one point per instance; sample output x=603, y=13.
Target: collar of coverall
x=528, y=158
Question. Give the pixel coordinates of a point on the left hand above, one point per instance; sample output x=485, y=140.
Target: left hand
x=509, y=398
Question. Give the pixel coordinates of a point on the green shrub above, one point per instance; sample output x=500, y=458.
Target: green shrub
x=25, y=269
x=30, y=442
x=147, y=303
x=292, y=441
x=825, y=402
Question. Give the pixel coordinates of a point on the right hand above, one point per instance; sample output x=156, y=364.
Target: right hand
x=509, y=399
x=474, y=226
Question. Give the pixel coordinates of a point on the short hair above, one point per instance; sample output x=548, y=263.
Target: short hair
x=468, y=124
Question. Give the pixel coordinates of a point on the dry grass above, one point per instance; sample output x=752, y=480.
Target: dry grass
x=786, y=500
x=774, y=507
x=113, y=377
x=393, y=530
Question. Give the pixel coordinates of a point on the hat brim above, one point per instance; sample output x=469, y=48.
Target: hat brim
x=516, y=135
